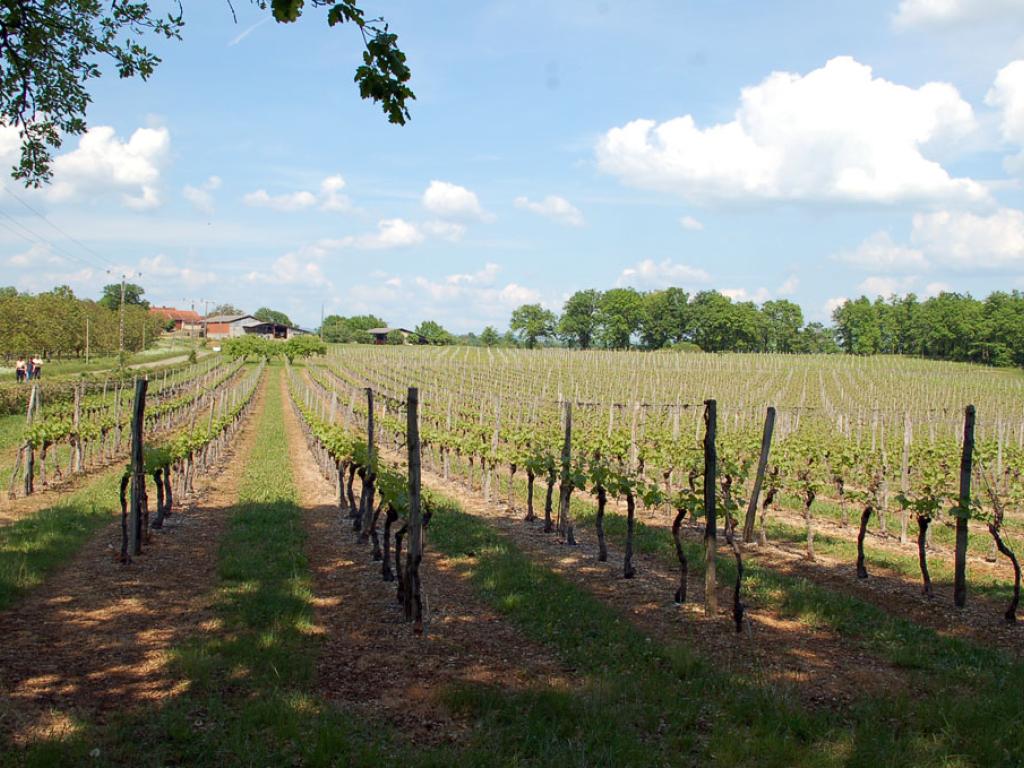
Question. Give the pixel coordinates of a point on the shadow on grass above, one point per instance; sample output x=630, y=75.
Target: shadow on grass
x=40, y=543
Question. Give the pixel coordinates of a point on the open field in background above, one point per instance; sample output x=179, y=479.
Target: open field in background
x=162, y=353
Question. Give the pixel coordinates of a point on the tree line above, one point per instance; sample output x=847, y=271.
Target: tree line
x=57, y=323
x=950, y=326
x=625, y=318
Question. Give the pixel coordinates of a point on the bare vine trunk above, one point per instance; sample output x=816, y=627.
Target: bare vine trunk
x=922, y=554
x=809, y=520
x=628, y=571
x=530, y=516
x=680, y=555
x=602, y=547
x=865, y=516
x=389, y=519
x=549, y=524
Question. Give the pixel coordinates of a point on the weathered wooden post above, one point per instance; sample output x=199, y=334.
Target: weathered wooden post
x=710, y=516
x=366, y=497
x=77, y=418
x=138, y=471
x=413, y=592
x=29, y=449
x=762, y=465
x=963, y=512
x=565, y=526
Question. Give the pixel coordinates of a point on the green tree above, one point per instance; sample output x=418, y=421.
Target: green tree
x=711, y=318
x=531, y=322
x=782, y=320
x=52, y=48
x=619, y=312
x=345, y=330
x=226, y=309
x=303, y=345
x=489, y=337
x=857, y=327
x=434, y=332
x=268, y=315
x=111, y=298
x=816, y=339
x=578, y=323
x=665, y=318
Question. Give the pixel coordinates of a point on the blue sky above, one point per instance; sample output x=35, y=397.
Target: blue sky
x=806, y=150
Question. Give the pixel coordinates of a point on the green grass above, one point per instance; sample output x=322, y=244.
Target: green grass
x=73, y=366
x=40, y=543
x=939, y=566
x=942, y=531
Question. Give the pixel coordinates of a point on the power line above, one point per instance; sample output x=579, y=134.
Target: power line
x=35, y=238
x=66, y=234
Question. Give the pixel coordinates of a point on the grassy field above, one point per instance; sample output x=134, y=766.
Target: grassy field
x=60, y=369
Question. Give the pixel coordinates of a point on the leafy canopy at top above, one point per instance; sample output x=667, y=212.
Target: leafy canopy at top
x=51, y=49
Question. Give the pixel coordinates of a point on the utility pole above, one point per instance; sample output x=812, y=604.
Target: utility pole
x=121, y=322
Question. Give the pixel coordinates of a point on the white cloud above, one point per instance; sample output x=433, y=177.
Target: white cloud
x=391, y=233
x=886, y=286
x=553, y=207
x=831, y=305
x=967, y=240
x=835, y=134
x=1007, y=94
x=690, y=223
x=789, y=286
x=880, y=253
x=164, y=267
x=913, y=13
x=648, y=274
x=36, y=256
x=103, y=162
x=446, y=230
x=460, y=301
x=201, y=197
x=294, y=268
x=292, y=201
x=329, y=198
x=449, y=200
x=934, y=289
x=758, y=296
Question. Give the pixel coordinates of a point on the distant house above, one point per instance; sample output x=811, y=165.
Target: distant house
x=184, y=319
x=380, y=335
x=228, y=326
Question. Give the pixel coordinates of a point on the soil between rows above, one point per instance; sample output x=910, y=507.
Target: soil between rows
x=94, y=638
x=371, y=660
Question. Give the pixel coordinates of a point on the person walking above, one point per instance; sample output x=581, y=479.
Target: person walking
x=28, y=370
x=37, y=367
x=19, y=369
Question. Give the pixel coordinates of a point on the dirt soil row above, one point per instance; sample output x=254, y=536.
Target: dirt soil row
x=95, y=637
x=372, y=662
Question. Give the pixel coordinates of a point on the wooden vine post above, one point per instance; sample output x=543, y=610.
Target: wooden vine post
x=565, y=527
x=413, y=592
x=710, y=517
x=366, y=497
x=138, y=468
x=30, y=459
x=963, y=511
x=762, y=466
